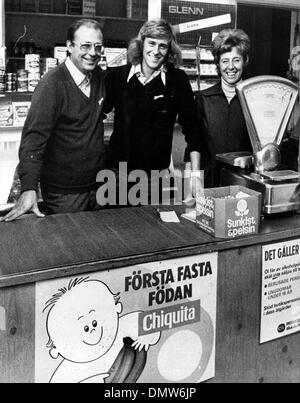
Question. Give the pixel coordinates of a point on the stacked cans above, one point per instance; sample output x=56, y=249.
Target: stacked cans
x=22, y=80
x=33, y=67
x=11, y=82
x=2, y=80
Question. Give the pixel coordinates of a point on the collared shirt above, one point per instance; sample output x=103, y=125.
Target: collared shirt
x=82, y=81
x=137, y=71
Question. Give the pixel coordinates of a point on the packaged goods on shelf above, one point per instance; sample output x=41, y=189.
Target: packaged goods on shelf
x=33, y=80
x=33, y=63
x=209, y=70
x=89, y=8
x=194, y=85
x=74, y=7
x=50, y=63
x=2, y=80
x=116, y=56
x=137, y=9
x=11, y=82
x=189, y=54
x=60, y=53
x=22, y=80
x=6, y=114
x=20, y=112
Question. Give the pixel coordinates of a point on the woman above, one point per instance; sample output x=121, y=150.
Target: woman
x=222, y=124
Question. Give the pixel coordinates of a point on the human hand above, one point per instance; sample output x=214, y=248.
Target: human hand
x=28, y=202
x=197, y=184
x=144, y=342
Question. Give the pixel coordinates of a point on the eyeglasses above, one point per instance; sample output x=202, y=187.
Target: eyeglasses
x=87, y=47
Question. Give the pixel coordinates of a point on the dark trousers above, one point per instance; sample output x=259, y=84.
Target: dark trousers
x=55, y=203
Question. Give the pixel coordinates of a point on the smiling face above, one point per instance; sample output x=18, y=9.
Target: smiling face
x=232, y=66
x=85, y=61
x=84, y=323
x=155, y=52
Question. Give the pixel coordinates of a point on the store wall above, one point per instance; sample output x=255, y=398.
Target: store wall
x=270, y=32
x=2, y=24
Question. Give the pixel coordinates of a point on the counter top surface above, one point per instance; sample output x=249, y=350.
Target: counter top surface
x=40, y=249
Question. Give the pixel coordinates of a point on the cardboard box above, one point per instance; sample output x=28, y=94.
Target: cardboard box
x=229, y=212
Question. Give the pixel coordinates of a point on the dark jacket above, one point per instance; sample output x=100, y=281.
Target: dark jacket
x=223, y=129
x=145, y=117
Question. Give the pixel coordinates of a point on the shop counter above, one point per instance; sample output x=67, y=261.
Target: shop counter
x=37, y=252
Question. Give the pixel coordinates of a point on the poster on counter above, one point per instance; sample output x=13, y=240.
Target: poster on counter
x=151, y=323
x=280, y=291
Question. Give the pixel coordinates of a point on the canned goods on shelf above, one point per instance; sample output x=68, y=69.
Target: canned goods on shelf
x=11, y=86
x=33, y=80
x=32, y=63
x=11, y=77
x=22, y=81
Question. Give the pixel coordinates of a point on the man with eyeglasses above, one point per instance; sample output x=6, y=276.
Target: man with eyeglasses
x=148, y=95
x=62, y=143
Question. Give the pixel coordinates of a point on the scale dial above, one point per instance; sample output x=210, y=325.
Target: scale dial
x=267, y=103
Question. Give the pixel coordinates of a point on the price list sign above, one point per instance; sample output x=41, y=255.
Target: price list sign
x=280, y=314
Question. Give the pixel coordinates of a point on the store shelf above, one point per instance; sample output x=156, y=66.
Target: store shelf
x=47, y=30
x=10, y=128
x=71, y=16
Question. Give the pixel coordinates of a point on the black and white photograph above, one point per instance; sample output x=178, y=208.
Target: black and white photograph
x=149, y=194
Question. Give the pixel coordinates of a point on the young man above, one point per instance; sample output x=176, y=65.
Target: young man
x=62, y=142
x=148, y=95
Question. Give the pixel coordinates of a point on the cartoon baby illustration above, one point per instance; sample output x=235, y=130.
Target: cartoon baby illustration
x=86, y=330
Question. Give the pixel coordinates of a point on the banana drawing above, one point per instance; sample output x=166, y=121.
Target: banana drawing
x=128, y=366
x=116, y=366
x=138, y=367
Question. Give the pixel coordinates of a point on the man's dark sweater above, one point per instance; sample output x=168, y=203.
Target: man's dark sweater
x=62, y=142
x=145, y=118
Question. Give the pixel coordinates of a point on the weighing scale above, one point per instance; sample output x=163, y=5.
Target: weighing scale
x=267, y=103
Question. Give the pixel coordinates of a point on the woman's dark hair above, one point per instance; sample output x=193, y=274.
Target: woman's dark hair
x=158, y=29
x=229, y=39
x=80, y=23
